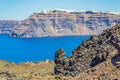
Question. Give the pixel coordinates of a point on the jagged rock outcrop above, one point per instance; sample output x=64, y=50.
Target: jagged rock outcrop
x=91, y=53
x=6, y=26
x=61, y=23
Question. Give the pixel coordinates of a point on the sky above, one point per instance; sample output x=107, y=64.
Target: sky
x=21, y=9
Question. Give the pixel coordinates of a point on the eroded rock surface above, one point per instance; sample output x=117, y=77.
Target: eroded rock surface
x=7, y=26
x=91, y=53
x=62, y=23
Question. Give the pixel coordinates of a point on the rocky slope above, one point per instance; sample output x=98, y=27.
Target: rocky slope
x=61, y=23
x=6, y=26
x=99, y=56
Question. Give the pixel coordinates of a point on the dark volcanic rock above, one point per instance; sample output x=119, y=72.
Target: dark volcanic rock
x=59, y=59
x=90, y=53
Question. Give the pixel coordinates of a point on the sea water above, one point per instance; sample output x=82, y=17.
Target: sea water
x=36, y=49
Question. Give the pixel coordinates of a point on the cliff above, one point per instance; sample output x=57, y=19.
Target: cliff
x=62, y=23
x=6, y=26
x=99, y=56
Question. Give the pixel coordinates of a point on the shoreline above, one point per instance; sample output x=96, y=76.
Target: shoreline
x=45, y=36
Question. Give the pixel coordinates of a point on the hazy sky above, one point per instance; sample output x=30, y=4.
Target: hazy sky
x=21, y=9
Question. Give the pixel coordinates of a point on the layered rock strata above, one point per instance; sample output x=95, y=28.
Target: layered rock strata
x=64, y=23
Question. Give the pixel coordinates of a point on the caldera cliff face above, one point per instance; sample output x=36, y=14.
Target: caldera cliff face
x=64, y=23
x=7, y=26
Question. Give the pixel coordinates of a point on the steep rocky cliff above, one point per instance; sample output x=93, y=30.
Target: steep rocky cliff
x=6, y=26
x=61, y=23
x=103, y=49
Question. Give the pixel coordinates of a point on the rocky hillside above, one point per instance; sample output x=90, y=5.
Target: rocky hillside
x=61, y=23
x=99, y=56
x=6, y=26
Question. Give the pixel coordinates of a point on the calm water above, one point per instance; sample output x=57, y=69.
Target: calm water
x=36, y=49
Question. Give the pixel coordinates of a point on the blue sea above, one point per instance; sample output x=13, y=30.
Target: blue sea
x=36, y=49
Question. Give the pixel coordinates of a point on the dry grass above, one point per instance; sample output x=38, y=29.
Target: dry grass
x=32, y=71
